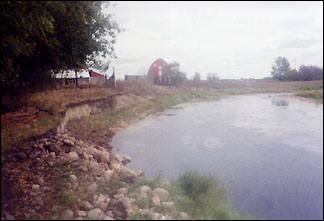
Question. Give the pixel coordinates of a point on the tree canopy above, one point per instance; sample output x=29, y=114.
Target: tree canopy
x=41, y=37
x=175, y=74
x=310, y=72
x=197, y=77
x=212, y=77
x=281, y=66
x=281, y=70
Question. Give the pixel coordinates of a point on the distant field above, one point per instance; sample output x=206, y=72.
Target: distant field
x=260, y=84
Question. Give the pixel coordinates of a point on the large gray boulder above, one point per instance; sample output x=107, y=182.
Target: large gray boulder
x=73, y=156
x=130, y=172
x=123, y=158
x=82, y=213
x=145, y=188
x=162, y=193
x=95, y=167
x=103, y=156
x=156, y=200
x=68, y=142
x=94, y=213
x=122, y=190
x=108, y=175
x=73, y=178
x=67, y=214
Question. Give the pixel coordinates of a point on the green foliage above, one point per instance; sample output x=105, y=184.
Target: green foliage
x=281, y=71
x=194, y=185
x=280, y=67
x=291, y=75
x=310, y=73
x=39, y=37
x=315, y=94
x=175, y=74
x=139, y=216
x=62, y=195
x=305, y=73
x=203, y=198
x=144, y=203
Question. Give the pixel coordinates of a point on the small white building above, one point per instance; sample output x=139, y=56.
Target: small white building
x=85, y=76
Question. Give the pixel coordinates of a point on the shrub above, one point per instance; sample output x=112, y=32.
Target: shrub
x=203, y=198
x=194, y=185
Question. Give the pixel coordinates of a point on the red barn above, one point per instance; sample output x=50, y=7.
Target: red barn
x=95, y=74
x=96, y=78
x=158, y=72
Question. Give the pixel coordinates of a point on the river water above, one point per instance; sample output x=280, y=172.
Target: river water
x=266, y=148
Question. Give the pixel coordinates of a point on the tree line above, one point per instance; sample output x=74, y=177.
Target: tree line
x=40, y=38
x=281, y=71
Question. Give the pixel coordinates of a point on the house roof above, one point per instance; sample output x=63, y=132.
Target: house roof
x=84, y=73
x=95, y=74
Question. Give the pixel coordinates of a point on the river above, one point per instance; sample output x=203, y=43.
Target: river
x=266, y=148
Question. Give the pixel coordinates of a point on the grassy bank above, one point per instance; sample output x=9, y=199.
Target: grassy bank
x=314, y=94
x=200, y=196
x=203, y=198
x=33, y=114
x=96, y=125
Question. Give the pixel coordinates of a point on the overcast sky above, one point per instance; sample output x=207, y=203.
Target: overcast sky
x=234, y=39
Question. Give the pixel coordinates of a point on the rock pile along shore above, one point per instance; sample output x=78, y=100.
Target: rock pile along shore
x=95, y=166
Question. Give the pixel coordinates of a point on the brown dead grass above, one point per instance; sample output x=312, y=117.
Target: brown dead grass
x=61, y=98
x=145, y=89
x=273, y=85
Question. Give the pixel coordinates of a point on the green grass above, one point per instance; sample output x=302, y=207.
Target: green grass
x=202, y=198
x=308, y=88
x=314, y=94
x=61, y=195
x=139, y=216
x=198, y=195
x=109, y=118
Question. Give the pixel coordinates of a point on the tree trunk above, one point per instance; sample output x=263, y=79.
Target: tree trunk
x=76, y=79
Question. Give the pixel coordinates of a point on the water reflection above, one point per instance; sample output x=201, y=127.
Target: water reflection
x=280, y=103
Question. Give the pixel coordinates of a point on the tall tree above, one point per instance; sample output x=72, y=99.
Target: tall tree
x=197, y=77
x=175, y=74
x=41, y=37
x=211, y=77
x=280, y=67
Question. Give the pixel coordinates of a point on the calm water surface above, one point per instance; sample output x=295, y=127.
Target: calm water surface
x=268, y=150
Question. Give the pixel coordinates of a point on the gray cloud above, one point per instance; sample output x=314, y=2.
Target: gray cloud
x=237, y=40
x=299, y=42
